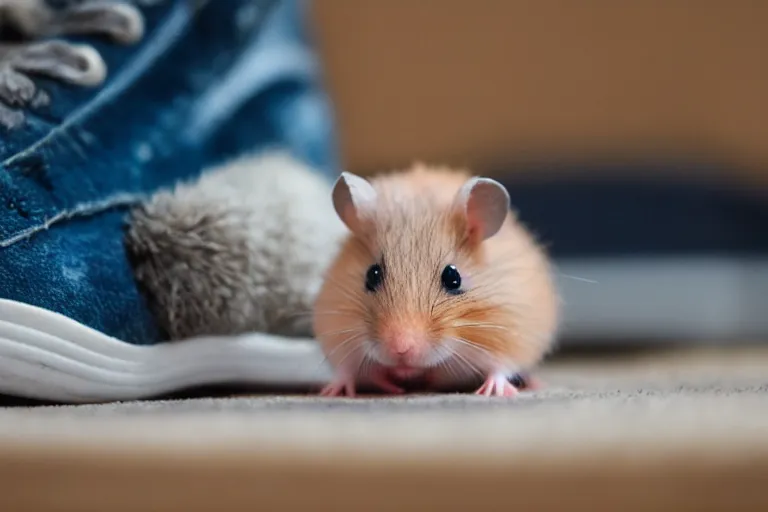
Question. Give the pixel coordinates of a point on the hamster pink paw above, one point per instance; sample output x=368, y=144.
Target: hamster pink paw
x=497, y=385
x=343, y=385
x=380, y=377
x=340, y=386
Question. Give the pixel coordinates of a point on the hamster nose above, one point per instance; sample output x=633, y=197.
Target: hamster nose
x=404, y=355
x=402, y=345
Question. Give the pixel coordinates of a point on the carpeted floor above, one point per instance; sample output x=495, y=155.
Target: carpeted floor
x=683, y=430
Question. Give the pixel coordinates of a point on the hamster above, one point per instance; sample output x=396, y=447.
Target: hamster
x=436, y=280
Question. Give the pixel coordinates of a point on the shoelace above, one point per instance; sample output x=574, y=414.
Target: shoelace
x=28, y=47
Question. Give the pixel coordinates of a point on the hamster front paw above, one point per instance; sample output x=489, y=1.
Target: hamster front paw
x=381, y=378
x=339, y=386
x=343, y=384
x=496, y=384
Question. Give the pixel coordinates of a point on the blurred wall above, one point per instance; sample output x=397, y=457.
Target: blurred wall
x=494, y=82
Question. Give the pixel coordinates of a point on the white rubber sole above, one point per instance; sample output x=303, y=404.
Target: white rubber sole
x=48, y=356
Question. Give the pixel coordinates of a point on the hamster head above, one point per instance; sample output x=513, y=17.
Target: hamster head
x=412, y=285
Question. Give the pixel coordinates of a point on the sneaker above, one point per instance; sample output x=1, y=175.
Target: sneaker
x=101, y=104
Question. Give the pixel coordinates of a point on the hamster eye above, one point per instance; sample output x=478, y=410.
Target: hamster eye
x=451, y=280
x=373, y=277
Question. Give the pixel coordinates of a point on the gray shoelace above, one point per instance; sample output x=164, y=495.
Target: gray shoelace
x=28, y=47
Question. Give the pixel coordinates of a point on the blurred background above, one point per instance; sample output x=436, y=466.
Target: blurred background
x=633, y=138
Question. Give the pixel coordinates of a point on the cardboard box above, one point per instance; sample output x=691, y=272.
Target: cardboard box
x=497, y=83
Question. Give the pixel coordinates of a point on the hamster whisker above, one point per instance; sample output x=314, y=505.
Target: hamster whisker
x=437, y=355
x=346, y=355
x=342, y=331
x=577, y=278
x=462, y=359
x=480, y=325
x=347, y=341
x=466, y=367
x=343, y=313
x=300, y=314
x=354, y=299
x=366, y=362
x=354, y=349
x=455, y=364
x=447, y=365
x=341, y=345
x=477, y=348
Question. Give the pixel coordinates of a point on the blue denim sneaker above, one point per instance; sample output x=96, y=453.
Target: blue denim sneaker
x=101, y=104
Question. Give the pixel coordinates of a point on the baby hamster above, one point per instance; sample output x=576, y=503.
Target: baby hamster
x=436, y=279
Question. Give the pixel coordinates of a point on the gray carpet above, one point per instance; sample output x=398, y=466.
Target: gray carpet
x=657, y=431
x=677, y=397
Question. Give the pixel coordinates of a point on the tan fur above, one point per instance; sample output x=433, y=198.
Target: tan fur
x=509, y=309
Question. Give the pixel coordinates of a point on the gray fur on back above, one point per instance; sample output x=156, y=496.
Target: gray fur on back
x=242, y=249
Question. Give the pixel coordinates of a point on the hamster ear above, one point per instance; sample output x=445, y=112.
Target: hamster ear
x=354, y=199
x=484, y=204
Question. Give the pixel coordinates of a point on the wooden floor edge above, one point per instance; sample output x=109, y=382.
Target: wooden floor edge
x=68, y=481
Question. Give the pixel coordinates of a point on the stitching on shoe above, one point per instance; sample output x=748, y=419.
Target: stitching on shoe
x=76, y=64
x=80, y=210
